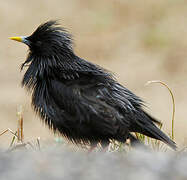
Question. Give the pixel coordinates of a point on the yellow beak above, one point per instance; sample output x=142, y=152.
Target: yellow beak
x=19, y=39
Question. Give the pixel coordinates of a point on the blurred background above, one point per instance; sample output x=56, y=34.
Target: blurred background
x=138, y=41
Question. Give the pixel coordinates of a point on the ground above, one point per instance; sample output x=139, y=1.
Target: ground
x=61, y=163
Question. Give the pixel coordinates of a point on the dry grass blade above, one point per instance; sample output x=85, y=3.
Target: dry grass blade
x=38, y=143
x=13, y=140
x=173, y=102
x=17, y=146
x=8, y=130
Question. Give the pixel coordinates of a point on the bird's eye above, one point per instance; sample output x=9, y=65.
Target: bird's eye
x=38, y=43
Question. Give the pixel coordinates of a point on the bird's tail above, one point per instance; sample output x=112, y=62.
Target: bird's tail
x=145, y=125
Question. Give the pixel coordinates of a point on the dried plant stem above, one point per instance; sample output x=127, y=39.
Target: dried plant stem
x=173, y=102
x=20, y=129
x=20, y=125
x=19, y=135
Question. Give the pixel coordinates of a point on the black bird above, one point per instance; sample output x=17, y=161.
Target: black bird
x=77, y=98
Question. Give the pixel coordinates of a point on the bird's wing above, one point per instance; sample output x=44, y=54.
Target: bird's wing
x=86, y=104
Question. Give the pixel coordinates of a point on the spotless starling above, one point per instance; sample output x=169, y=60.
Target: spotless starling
x=77, y=98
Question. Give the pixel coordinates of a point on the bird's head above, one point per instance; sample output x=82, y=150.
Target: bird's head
x=48, y=41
